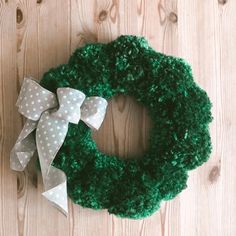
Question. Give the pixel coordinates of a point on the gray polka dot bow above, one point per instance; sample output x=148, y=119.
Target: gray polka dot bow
x=50, y=114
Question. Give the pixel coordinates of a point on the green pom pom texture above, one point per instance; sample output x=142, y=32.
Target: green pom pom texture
x=179, y=141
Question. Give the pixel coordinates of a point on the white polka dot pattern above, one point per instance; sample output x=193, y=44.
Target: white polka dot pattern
x=93, y=111
x=50, y=115
x=33, y=100
x=24, y=148
x=70, y=101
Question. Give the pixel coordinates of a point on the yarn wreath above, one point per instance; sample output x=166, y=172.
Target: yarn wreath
x=179, y=140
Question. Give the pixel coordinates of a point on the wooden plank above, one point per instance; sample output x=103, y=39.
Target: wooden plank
x=120, y=120
x=83, y=30
x=8, y=119
x=226, y=127
x=199, y=45
x=202, y=42
x=43, y=41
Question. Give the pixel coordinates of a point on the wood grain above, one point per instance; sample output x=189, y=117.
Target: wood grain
x=37, y=35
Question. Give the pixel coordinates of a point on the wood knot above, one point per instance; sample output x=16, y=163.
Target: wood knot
x=102, y=15
x=39, y=1
x=222, y=2
x=173, y=17
x=19, y=15
x=214, y=174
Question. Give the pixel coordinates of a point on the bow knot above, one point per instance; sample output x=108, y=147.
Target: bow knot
x=50, y=116
x=70, y=101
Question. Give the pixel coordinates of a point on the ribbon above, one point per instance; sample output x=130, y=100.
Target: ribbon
x=50, y=116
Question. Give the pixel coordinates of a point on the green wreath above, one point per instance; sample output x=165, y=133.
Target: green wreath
x=179, y=140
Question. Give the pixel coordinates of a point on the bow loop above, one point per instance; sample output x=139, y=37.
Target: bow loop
x=93, y=111
x=33, y=99
x=50, y=116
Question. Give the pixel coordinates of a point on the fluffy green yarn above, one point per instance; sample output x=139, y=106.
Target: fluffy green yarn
x=179, y=140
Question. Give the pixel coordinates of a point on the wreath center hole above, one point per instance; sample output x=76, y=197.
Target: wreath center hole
x=125, y=129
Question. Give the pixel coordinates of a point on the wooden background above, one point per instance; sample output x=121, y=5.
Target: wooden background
x=39, y=34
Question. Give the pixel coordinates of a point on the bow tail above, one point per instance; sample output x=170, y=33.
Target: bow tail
x=24, y=148
x=50, y=135
x=56, y=189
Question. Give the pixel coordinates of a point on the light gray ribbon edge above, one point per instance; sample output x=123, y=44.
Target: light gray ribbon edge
x=49, y=114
